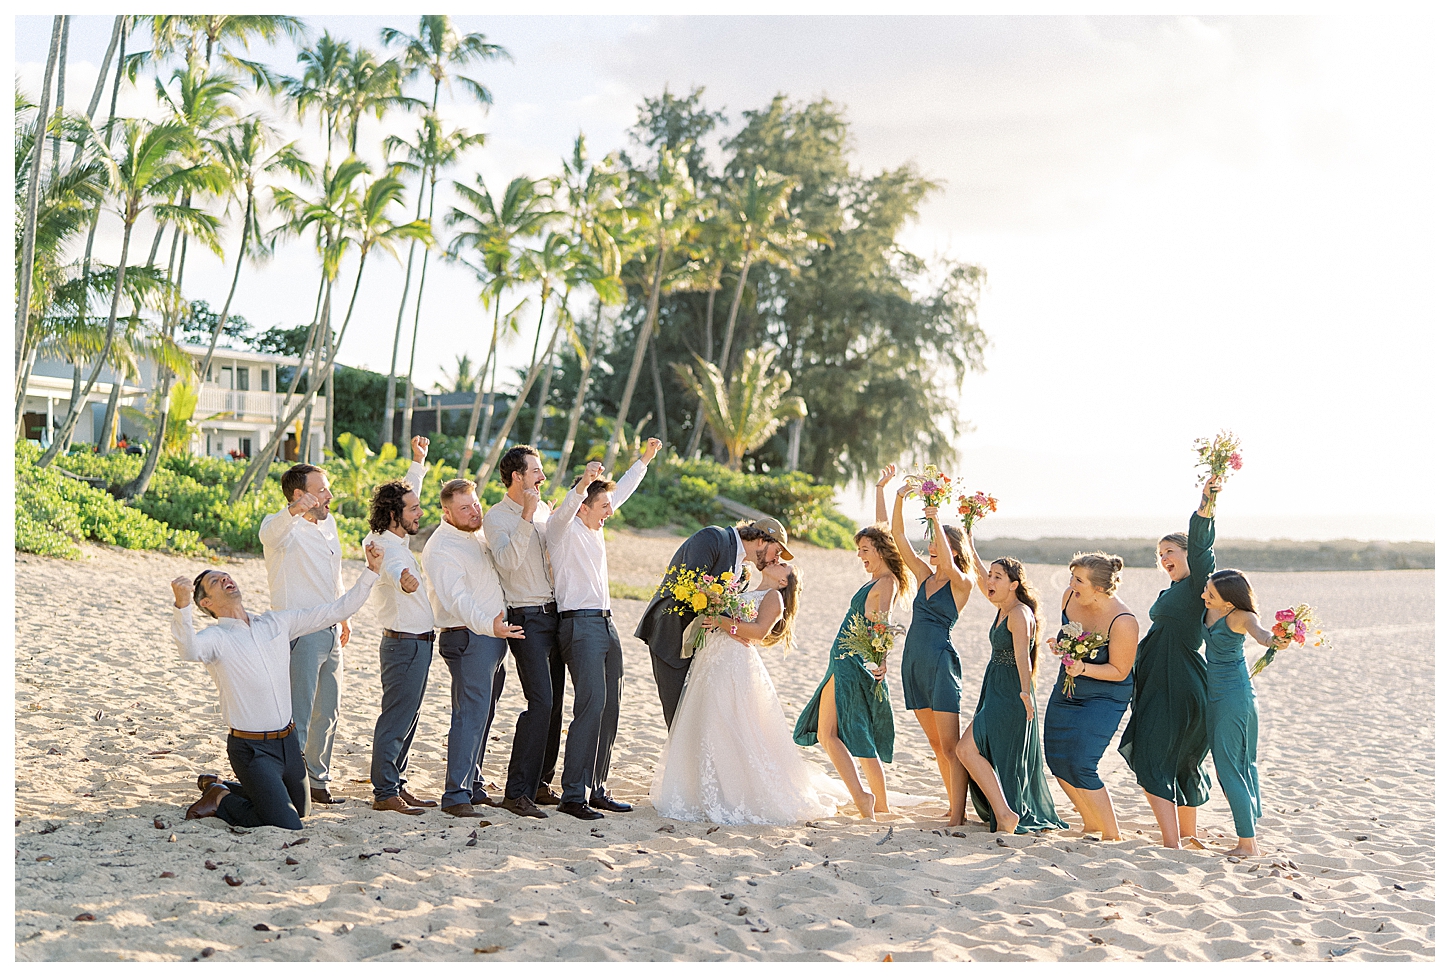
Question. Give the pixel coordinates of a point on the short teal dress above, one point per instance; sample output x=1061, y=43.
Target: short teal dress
x=931, y=672
x=863, y=721
x=1077, y=729
x=1010, y=743
x=1233, y=724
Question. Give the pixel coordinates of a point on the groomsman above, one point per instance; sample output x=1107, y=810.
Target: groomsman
x=586, y=631
x=304, y=569
x=515, y=527
x=468, y=607
x=248, y=655
x=406, y=649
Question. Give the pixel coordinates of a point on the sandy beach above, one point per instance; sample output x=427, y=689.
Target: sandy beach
x=112, y=729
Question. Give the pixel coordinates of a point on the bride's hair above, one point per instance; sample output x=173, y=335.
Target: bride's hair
x=783, y=633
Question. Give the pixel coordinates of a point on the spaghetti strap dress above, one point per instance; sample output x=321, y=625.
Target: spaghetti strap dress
x=863, y=721
x=1166, y=739
x=1078, y=729
x=1233, y=724
x=1009, y=742
x=931, y=672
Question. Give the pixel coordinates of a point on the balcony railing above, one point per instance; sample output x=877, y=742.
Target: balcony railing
x=251, y=405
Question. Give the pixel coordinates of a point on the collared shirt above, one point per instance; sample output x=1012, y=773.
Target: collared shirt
x=461, y=577
x=739, y=553
x=251, y=664
x=576, y=552
x=519, y=553
x=397, y=611
x=304, y=560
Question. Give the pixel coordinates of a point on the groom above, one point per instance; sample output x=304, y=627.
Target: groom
x=713, y=550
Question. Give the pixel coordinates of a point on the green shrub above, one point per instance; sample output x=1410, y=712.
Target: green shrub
x=45, y=520
x=692, y=497
x=645, y=511
x=835, y=531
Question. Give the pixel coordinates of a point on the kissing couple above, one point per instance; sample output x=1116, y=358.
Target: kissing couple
x=729, y=757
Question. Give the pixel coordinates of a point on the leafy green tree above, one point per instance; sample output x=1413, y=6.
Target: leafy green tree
x=746, y=411
x=357, y=470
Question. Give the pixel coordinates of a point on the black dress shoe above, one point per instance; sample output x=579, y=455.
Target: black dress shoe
x=606, y=803
x=581, y=811
x=321, y=795
x=545, y=796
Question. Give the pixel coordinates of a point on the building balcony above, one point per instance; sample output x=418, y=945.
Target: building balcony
x=215, y=402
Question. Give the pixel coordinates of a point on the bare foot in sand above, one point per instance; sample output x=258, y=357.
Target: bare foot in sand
x=1008, y=825
x=866, y=804
x=1244, y=848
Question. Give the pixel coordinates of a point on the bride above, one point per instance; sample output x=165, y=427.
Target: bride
x=730, y=757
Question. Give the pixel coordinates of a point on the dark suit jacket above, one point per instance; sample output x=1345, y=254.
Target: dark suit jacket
x=712, y=551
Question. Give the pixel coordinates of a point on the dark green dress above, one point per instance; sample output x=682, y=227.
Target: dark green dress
x=1233, y=724
x=863, y=721
x=1166, y=739
x=1009, y=742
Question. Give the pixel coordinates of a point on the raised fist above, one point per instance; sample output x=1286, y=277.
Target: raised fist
x=374, y=554
x=181, y=587
x=302, y=503
x=651, y=448
x=407, y=581
x=531, y=502
x=593, y=472
x=420, y=448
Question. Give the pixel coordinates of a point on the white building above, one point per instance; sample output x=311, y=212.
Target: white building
x=237, y=407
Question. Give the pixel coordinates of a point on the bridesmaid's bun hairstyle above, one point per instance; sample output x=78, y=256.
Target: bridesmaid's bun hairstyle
x=783, y=633
x=1234, y=587
x=1102, y=569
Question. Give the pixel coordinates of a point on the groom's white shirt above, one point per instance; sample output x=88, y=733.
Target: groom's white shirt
x=739, y=553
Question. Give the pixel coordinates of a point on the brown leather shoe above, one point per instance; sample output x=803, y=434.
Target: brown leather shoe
x=206, y=807
x=522, y=807
x=545, y=796
x=395, y=804
x=461, y=810
x=321, y=795
x=205, y=780
x=410, y=799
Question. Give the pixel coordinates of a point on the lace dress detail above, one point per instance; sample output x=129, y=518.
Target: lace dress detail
x=729, y=758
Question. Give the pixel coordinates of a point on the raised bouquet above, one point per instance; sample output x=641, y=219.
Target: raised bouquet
x=1296, y=624
x=701, y=594
x=1218, y=455
x=868, y=639
x=933, y=487
x=1075, y=643
x=974, y=507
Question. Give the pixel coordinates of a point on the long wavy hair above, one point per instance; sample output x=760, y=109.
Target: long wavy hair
x=880, y=537
x=783, y=633
x=1027, y=594
x=1234, y=587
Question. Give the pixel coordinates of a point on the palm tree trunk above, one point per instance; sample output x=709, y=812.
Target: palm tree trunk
x=692, y=449
x=612, y=450
x=113, y=403
x=137, y=488
x=586, y=367
x=329, y=390
x=654, y=364
x=60, y=93
x=216, y=330
x=322, y=344
x=100, y=83
x=413, y=349
x=472, y=434
x=496, y=451
x=724, y=361
x=32, y=207
x=386, y=434
x=545, y=375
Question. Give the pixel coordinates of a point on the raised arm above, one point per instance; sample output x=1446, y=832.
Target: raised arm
x=277, y=527
x=557, y=527
x=1247, y=622
x=887, y=474
x=979, y=569
x=955, y=576
x=919, y=568
x=1201, y=535
x=309, y=619
x=190, y=646
x=627, y=484
x=508, y=536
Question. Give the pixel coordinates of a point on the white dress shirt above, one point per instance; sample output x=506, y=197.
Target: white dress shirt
x=251, y=664
x=739, y=553
x=519, y=553
x=576, y=552
x=397, y=611
x=462, y=579
x=304, y=560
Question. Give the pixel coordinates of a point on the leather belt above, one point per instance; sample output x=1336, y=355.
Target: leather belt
x=549, y=608
x=588, y=612
x=464, y=627
x=276, y=734
x=405, y=636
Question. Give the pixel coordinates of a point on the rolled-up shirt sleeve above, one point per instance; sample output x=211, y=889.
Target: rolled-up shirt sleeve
x=309, y=619
x=414, y=478
x=190, y=646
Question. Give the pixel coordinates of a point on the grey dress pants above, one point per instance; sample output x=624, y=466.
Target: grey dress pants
x=596, y=665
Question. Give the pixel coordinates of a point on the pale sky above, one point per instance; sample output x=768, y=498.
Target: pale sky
x=1187, y=223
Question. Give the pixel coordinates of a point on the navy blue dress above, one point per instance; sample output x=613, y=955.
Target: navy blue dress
x=931, y=672
x=1077, y=730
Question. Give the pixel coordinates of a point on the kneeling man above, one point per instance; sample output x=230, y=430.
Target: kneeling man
x=249, y=656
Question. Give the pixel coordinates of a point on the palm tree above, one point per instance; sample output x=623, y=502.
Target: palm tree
x=757, y=213
x=744, y=413
x=200, y=36
x=320, y=87
x=149, y=172
x=437, y=48
x=463, y=380
x=368, y=87
x=32, y=203
x=711, y=247
x=490, y=230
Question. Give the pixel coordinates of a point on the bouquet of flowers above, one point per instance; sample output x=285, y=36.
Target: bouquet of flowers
x=933, y=486
x=974, y=507
x=1220, y=455
x=704, y=595
x=868, y=639
x=1293, y=623
x=1075, y=643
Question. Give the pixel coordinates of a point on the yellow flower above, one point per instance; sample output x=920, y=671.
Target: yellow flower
x=698, y=601
x=716, y=588
x=728, y=576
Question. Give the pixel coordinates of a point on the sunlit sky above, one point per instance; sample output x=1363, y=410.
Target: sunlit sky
x=1187, y=223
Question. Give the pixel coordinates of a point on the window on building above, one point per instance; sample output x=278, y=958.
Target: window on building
x=244, y=378
x=246, y=447
x=227, y=378
x=266, y=376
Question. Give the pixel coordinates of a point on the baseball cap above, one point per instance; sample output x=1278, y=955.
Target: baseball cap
x=772, y=528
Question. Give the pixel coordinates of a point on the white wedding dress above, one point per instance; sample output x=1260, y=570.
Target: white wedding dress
x=729, y=757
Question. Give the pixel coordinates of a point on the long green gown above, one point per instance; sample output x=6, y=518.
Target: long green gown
x=1166, y=739
x=863, y=721
x=1233, y=724
x=1009, y=742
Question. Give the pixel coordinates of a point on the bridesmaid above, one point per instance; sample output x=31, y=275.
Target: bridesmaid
x=1077, y=729
x=931, y=672
x=845, y=712
x=1233, y=718
x=1166, y=739
x=1001, y=748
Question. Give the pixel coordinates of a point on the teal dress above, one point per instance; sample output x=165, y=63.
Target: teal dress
x=1233, y=724
x=1166, y=740
x=1077, y=729
x=863, y=721
x=931, y=672
x=1009, y=742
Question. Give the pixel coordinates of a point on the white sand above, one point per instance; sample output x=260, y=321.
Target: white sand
x=112, y=729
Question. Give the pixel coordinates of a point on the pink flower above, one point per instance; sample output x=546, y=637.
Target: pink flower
x=1284, y=615
x=1299, y=633
x=928, y=488
x=1236, y=461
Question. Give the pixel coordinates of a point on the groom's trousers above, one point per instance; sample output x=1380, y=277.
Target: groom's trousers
x=670, y=680
x=595, y=661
